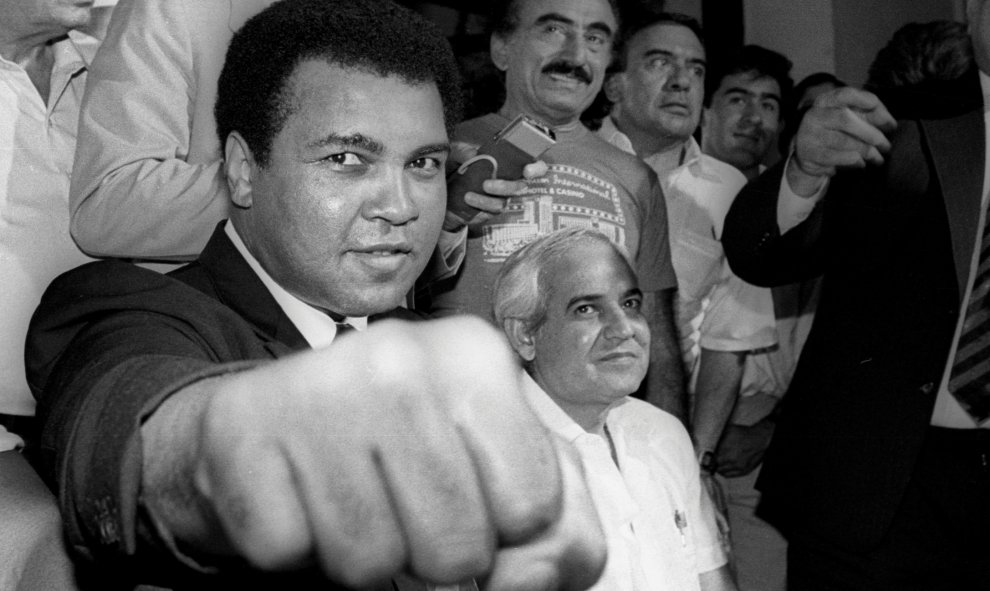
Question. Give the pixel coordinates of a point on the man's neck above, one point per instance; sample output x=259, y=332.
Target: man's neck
x=647, y=144
x=563, y=123
x=32, y=51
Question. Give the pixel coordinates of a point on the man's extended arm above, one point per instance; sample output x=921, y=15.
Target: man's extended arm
x=844, y=129
x=174, y=432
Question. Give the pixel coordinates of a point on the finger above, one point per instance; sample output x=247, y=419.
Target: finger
x=491, y=205
x=570, y=555
x=873, y=156
x=462, y=151
x=867, y=104
x=515, y=462
x=253, y=494
x=357, y=537
x=848, y=96
x=434, y=488
x=858, y=127
x=535, y=169
x=503, y=188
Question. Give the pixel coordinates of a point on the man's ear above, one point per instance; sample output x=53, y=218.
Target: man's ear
x=238, y=166
x=498, y=47
x=614, y=86
x=520, y=337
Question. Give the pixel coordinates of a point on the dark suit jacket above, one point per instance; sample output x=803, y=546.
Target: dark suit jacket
x=893, y=244
x=109, y=342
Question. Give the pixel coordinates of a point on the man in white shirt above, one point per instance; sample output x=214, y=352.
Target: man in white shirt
x=571, y=307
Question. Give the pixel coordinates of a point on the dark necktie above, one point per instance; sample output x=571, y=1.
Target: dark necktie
x=341, y=322
x=969, y=381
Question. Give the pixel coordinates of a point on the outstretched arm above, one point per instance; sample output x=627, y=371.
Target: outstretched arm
x=406, y=447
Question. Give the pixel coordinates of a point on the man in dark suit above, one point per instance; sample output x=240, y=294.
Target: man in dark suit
x=877, y=474
x=188, y=430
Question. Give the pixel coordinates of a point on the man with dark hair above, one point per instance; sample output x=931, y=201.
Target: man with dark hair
x=193, y=437
x=878, y=471
x=743, y=101
x=554, y=54
x=148, y=181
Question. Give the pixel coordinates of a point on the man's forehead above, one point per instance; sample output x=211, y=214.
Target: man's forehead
x=667, y=36
x=752, y=82
x=587, y=12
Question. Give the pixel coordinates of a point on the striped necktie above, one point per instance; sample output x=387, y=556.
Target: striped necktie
x=969, y=381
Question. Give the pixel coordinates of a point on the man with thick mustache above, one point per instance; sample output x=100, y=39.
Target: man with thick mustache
x=554, y=54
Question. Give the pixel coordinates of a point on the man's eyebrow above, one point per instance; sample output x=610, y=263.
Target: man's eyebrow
x=588, y=297
x=748, y=92
x=635, y=291
x=667, y=53
x=556, y=17
x=553, y=17
x=355, y=140
x=443, y=147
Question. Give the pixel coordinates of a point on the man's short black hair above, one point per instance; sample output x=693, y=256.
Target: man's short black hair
x=640, y=16
x=376, y=36
x=503, y=17
x=752, y=59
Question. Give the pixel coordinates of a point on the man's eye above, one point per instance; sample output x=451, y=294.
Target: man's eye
x=770, y=107
x=698, y=72
x=428, y=165
x=345, y=159
x=633, y=303
x=584, y=310
x=658, y=63
x=596, y=39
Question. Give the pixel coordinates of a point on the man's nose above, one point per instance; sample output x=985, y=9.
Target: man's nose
x=752, y=113
x=575, y=49
x=618, y=325
x=392, y=199
x=680, y=78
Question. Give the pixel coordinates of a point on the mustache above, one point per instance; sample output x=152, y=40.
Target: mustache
x=569, y=69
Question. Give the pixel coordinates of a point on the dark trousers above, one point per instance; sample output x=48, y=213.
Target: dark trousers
x=940, y=536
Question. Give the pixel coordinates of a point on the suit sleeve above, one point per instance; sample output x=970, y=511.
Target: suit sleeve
x=754, y=246
x=100, y=360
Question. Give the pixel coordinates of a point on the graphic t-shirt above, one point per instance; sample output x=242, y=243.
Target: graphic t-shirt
x=590, y=184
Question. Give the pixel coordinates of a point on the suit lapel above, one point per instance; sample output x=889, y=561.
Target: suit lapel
x=240, y=289
x=957, y=149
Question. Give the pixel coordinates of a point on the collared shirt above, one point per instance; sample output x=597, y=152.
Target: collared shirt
x=37, y=141
x=698, y=190
x=315, y=325
x=659, y=524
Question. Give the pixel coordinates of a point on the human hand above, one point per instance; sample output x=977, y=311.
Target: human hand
x=844, y=128
x=404, y=448
x=741, y=449
x=496, y=191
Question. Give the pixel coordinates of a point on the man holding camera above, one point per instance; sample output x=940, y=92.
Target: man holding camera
x=554, y=54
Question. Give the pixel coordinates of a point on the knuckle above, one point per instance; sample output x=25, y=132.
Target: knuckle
x=457, y=556
x=363, y=565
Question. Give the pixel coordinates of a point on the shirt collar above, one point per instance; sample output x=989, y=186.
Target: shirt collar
x=318, y=328
x=611, y=134
x=985, y=87
x=551, y=415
